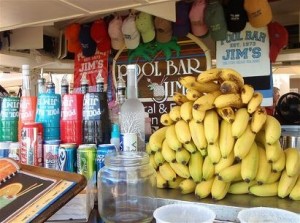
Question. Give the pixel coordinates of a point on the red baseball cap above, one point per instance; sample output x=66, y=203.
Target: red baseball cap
x=100, y=35
x=278, y=39
x=72, y=37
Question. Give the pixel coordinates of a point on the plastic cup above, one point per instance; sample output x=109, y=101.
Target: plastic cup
x=264, y=214
x=187, y=213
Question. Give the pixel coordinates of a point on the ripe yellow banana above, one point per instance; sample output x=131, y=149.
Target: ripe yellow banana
x=231, y=173
x=213, y=152
x=168, y=153
x=175, y=184
x=186, y=111
x=195, y=166
x=167, y=172
x=240, y=187
x=260, y=138
x=227, y=114
x=250, y=164
x=183, y=131
x=286, y=184
x=148, y=149
x=273, y=151
x=266, y=190
x=203, y=152
x=272, y=129
x=240, y=122
x=229, y=87
x=264, y=167
x=243, y=144
x=208, y=169
x=166, y=120
x=175, y=113
x=172, y=139
x=191, y=147
x=258, y=119
x=192, y=94
x=279, y=165
x=211, y=126
x=226, y=140
x=203, y=188
x=181, y=170
x=198, y=115
x=254, y=102
x=247, y=93
x=206, y=101
x=160, y=181
x=212, y=74
x=274, y=177
x=228, y=100
x=152, y=161
x=158, y=157
x=224, y=162
x=156, y=139
x=204, y=87
x=295, y=193
x=292, y=163
x=187, y=186
x=219, y=189
x=182, y=156
x=187, y=80
x=228, y=74
x=179, y=98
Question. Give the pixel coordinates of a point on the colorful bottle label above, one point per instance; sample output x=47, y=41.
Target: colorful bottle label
x=10, y=108
x=91, y=106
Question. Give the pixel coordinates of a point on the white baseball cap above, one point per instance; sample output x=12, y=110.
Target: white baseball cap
x=130, y=32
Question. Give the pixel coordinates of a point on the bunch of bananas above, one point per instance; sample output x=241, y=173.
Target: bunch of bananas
x=218, y=140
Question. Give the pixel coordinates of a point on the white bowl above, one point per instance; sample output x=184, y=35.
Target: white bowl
x=270, y=215
x=184, y=213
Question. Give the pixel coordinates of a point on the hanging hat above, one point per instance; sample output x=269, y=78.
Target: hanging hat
x=278, y=39
x=88, y=45
x=163, y=29
x=259, y=12
x=115, y=33
x=72, y=37
x=196, y=16
x=130, y=32
x=144, y=24
x=100, y=36
x=182, y=25
x=236, y=15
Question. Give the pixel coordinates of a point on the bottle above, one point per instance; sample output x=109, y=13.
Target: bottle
x=27, y=101
x=84, y=84
x=64, y=88
x=132, y=114
x=41, y=83
x=115, y=136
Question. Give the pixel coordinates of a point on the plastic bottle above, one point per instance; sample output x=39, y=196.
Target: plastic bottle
x=132, y=115
x=64, y=88
x=41, y=83
x=115, y=136
x=84, y=84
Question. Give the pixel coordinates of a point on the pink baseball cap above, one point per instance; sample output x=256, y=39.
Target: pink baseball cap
x=115, y=33
x=197, y=18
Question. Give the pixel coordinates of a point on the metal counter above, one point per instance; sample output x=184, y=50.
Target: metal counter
x=227, y=209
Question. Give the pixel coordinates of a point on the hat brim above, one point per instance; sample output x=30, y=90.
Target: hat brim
x=73, y=46
x=132, y=43
x=163, y=37
x=117, y=44
x=199, y=30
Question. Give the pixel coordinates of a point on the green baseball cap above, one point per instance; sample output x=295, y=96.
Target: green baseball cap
x=144, y=24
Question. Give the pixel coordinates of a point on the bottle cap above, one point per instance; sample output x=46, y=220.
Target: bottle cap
x=25, y=67
x=84, y=80
x=99, y=78
x=64, y=81
x=115, y=133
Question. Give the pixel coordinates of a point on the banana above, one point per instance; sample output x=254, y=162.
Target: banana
x=195, y=166
x=274, y=177
x=198, y=115
x=226, y=140
x=243, y=144
x=266, y=190
x=204, y=87
x=226, y=113
x=279, y=165
x=208, y=169
x=286, y=184
x=175, y=184
x=212, y=74
x=183, y=131
x=192, y=94
x=224, y=162
x=292, y=163
x=247, y=93
x=152, y=161
x=181, y=170
x=187, y=186
x=240, y=187
x=260, y=138
x=240, y=122
x=228, y=100
x=160, y=181
x=254, y=102
x=272, y=129
x=264, y=167
x=250, y=163
x=156, y=139
x=166, y=120
x=185, y=81
x=168, y=154
x=182, y=156
x=148, y=149
x=158, y=157
x=213, y=152
x=219, y=189
x=179, y=98
x=175, y=113
x=191, y=147
x=172, y=139
x=206, y=101
x=295, y=193
x=228, y=74
x=258, y=119
x=211, y=126
x=273, y=151
x=186, y=111
x=203, y=152
x=203, y=188
x=229, y=87
x=231, y=173
x=167, y=172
